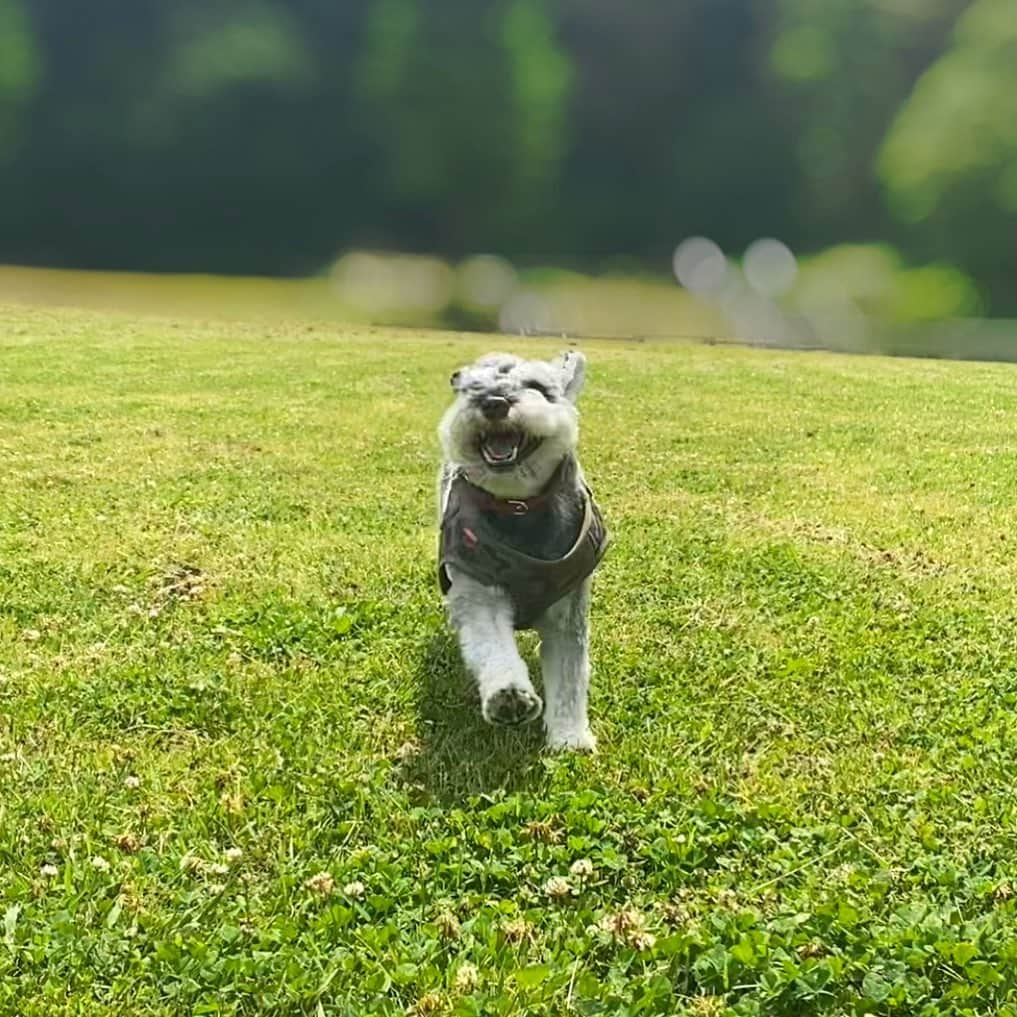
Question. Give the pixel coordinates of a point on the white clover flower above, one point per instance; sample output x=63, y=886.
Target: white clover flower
x=467, y=977
x=320, y=883
x=558, y=887
x=191, y=863
x=516, y=930
x=629, y=926
x=623, y=923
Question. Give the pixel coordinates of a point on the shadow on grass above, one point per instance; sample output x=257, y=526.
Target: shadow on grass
x=459, y=754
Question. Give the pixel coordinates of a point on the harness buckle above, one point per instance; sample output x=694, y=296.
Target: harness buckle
x=519, y=508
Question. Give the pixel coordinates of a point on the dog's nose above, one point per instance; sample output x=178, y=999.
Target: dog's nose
x=495, y=407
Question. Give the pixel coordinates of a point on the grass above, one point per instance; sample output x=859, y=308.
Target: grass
x=242, y=772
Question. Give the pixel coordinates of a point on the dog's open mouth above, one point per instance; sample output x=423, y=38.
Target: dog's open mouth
x=503, y=449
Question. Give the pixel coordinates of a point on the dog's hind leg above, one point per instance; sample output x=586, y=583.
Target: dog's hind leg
x=482, y=618
x=565, y=660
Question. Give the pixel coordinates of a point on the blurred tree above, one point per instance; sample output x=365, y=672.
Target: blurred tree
x=266, y=135
x=844, y=67
x=673, y=133
x=204, y=135
x=950, y=160
x=468, y=105
x=872, y=278
x=221, y=126
x=20, y=67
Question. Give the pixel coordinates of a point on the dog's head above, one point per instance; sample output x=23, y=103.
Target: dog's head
x=513, y=420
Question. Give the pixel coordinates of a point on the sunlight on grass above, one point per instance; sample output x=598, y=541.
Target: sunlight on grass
x=243, y=772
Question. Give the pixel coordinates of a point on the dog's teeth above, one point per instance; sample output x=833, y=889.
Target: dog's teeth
x=500, y=456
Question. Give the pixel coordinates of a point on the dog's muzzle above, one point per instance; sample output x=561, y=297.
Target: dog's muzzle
x=495, y=407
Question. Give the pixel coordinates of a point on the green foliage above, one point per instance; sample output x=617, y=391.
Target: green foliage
x=958, y=130
x=846, y=66
x=264, y=137
x=949, y=163
x=467, y=105
x=874, y=279
x=243, y=772
x=390, y=33
x=804, y=53
x=19, y=56
x=20, y=69
x=541, y=79
x=932, y=293
x=259, y=44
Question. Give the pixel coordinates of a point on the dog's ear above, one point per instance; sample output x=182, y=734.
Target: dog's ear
x=571, y=366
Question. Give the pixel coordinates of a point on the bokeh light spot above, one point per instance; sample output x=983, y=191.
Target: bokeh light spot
x=485, y=281
x=770, y=267
x=700, y=265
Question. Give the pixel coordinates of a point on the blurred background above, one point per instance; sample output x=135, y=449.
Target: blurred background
x=839, y=173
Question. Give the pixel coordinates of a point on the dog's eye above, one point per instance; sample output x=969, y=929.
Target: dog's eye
x=539, y=387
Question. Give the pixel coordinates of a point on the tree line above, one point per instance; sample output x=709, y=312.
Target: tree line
x=265, y=136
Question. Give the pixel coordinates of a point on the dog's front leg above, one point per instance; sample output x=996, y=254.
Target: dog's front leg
x=482, y=618
x=565, y=660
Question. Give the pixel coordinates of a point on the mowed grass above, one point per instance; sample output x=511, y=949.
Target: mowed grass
x=242, y=772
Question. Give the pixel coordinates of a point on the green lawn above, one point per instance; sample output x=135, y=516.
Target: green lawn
x=242, y=771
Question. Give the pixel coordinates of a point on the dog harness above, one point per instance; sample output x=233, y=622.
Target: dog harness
x=471, y=543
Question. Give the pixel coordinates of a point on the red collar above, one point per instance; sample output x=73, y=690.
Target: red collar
x=487, y=502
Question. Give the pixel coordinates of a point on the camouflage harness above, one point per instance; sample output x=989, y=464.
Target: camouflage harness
x=471, y=543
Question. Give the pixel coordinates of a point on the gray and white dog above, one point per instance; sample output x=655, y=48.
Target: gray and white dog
x=520, y=538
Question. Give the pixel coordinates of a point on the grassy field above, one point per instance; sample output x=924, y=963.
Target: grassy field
x=242, y=772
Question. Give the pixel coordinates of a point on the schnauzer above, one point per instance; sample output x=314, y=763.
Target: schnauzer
x=520, y=537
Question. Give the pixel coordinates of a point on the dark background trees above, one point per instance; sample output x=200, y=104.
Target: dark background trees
x=264, y=136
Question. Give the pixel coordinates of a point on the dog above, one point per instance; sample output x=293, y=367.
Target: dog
x=520, y=538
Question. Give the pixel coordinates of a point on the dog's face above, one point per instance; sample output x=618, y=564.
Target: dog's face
x=513, y=420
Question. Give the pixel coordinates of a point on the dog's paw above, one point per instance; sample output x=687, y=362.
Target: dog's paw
x=512, y=704
x=571, y=740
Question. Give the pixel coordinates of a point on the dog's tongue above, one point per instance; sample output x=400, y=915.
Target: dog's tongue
x=501, y=445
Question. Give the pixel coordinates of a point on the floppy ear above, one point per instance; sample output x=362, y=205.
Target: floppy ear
x=572, y=368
